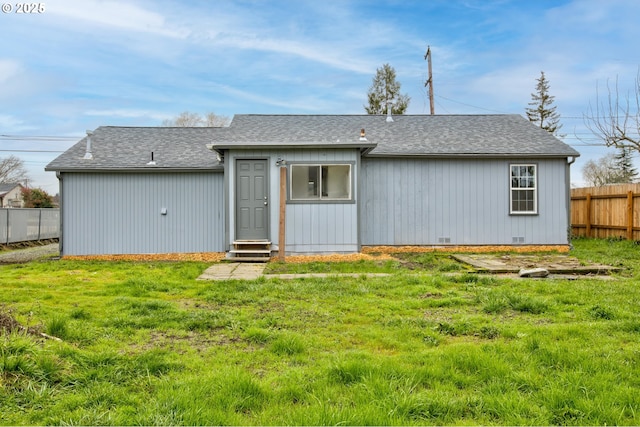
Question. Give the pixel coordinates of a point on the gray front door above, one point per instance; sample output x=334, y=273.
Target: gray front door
x=252, y=213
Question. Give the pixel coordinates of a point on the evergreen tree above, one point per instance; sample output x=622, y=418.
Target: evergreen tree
x=385, y=89
x=542, y=111
x=624, y=163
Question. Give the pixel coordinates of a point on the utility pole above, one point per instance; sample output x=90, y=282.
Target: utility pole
x=429, y=81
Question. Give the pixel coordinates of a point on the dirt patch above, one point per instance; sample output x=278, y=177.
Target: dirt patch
x=297, y=259
x=9, y=324
x=464, y=249
x=28, y=244
x=202, y=257
x=32, y=253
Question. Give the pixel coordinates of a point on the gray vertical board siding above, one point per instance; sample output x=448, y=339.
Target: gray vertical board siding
x=310, y=227
x=121, y=213
x=458, y=202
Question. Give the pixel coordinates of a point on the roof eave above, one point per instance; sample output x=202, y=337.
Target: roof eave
x=470, y=155
x=219, y=168
x=219, y=147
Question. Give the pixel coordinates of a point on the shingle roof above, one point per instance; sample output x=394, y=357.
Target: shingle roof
x=406, y=135
x=130, y=148
x=5, y=187
x=125, y=148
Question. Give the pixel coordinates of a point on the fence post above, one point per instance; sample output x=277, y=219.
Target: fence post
x=39, y=223
x=588, y=220
x=8, y=226
x=630, y=215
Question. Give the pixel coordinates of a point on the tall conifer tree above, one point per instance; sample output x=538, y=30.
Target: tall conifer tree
x=386, y=90
x=542, y=111
x=624, y=162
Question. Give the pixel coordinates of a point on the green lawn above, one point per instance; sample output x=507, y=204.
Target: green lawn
x=145, y=343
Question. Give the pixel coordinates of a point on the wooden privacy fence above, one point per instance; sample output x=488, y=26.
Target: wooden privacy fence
x=606, y=212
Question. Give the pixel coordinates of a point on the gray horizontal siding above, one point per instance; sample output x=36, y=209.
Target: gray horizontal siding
x=121, y=213
x=424, y=201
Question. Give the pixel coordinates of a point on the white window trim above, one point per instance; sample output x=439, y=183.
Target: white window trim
x=320, y=198
x=535, y=189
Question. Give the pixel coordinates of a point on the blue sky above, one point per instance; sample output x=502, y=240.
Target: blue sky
x=83, y=64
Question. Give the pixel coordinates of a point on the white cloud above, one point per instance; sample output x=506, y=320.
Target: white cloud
x=8, y=69
x=129, y=113
x=117, y=14
x=304, y=104
x=330, y=55
x=11, y=124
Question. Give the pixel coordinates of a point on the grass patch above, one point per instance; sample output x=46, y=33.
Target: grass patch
x=145, y=343
x=336, y=267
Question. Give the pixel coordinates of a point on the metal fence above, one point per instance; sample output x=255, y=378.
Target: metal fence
x=23, y=225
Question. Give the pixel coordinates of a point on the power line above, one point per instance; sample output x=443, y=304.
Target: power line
x=39, y=138
x=469, y=105
x=32, y=151
x=561, y=116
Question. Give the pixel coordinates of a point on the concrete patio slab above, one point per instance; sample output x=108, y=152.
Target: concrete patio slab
x=555, y=264
x=233, y=271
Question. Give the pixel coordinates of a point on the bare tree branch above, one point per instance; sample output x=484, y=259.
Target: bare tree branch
x=616, y=123
x=12, y=170
x=188, y=119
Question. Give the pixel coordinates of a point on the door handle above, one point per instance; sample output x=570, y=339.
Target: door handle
x=265, y=201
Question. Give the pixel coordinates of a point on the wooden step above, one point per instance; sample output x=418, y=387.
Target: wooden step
x=248, y=259
x=250, y=251
x=251, y=242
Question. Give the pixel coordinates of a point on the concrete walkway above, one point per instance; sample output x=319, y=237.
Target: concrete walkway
x=251, y=271
x=233, y=270
x=323, y=275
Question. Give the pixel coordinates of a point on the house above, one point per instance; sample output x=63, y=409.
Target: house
x=11, y=195
x=349, y=181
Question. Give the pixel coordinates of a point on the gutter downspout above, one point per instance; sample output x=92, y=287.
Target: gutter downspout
x=60, y=245
x=568, y=199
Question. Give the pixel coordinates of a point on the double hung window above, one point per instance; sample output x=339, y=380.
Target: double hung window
x=524, y=189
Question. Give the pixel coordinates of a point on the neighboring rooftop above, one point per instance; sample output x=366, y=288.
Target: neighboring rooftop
x=5, y=187
x=130, y=148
